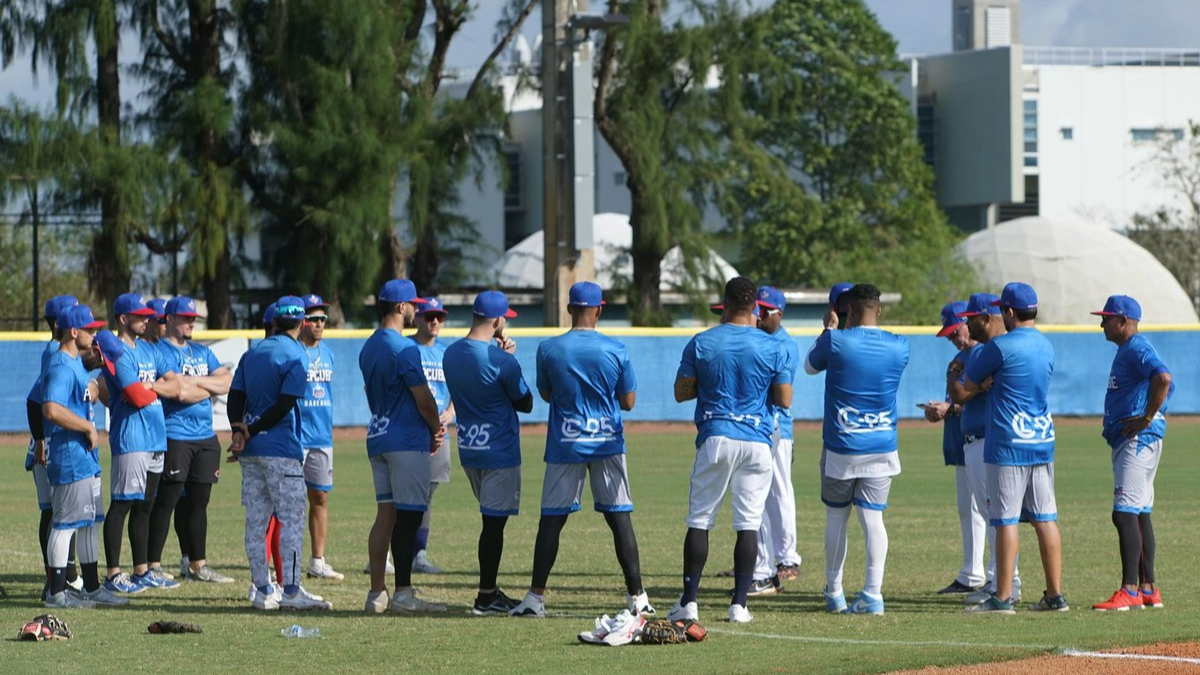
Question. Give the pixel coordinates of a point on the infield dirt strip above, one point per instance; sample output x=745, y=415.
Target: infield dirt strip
x=1169, y=659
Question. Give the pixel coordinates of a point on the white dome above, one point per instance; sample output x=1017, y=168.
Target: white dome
x=1074, y=267
x=522, y=266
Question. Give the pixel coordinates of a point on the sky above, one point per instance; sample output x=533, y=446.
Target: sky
x=920, y=27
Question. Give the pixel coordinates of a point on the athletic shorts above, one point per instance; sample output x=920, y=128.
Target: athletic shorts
x=318, y=468
x=1134, y=470
x=193, y=461
x=439, y=464
x=498, y=490
x=563, y=487
x=402, y=478
x=41, y=483
x=77, y=504
x=1021, y=493
x=741, y=468
x=127, y=478
x=866, y=492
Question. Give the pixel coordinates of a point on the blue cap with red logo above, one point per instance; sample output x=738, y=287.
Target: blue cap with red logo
x=131, y=303
x=431, y=306
x=399, y=290
x=771, y=298
x=58, y=303
x=981, y=303
x=951, y=318
x=314, y=301
x=181, y=305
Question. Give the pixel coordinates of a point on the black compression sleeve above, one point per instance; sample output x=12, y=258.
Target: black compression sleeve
x=235, y=406
x=275, y=414
x=33, y=414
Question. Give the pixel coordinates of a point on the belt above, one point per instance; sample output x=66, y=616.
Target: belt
x=971, y=438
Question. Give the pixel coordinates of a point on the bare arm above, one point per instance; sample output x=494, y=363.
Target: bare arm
x=169, y=385
x=685, y=389
x=1160, y=386
x=781, y=395
x=215, y=383
x=58, y=414
x=427, y=406
x=626, y=401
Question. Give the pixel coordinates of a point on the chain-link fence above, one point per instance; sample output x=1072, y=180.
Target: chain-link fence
x=40, y=260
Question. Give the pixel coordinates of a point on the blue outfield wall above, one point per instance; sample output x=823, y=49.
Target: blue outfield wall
x=1080, y=376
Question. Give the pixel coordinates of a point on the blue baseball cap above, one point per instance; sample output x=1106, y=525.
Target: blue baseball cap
x=58, y=303
x=131, y=303
x=431, y=306
x=400, y=290
x=269, y=314
x=78, y=317
x=981, y=303
x=492, y=305
x=836, y=292
x=180, y=305
x=111, y=349
x=314, y=301
x=1121, y=305
x=289, y=307
x=951, y=318
x=1017, y=295
x=586, y=294
x=160, y=308
x=771, y=298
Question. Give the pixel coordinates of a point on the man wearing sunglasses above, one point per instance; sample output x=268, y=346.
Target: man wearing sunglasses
x=316, y=432
x=431, y=318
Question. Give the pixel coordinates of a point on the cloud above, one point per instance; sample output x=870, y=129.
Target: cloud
x=1110, y=23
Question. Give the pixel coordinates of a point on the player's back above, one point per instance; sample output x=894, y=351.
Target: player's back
x=863, y=369
x=390, y=365
x=734, y=367
x=484, y=382
x=584, y=372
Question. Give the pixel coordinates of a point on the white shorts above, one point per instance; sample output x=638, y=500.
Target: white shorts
x=870, y=492
x=127, y=481
x=77, y=504
x=1134, y=470
x=41, y=483
x=563, y=487
x=439, y=464
x=498, y=490
x=318, y=468
x=403, y=479
x=741, y=468
x=1017, y=493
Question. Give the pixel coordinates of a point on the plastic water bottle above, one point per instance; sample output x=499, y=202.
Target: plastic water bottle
x=298, y=631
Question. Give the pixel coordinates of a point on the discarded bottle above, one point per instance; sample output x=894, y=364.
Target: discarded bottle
x=298, y=631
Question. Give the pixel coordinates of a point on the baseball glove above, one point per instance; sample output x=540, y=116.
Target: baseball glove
x=163, y=627
x=44, y=627
x=663, y=632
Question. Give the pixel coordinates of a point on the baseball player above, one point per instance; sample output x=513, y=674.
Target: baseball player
x=431, y=317
x=265, y=419
x=35, y=458
x=73, y=463
x=488, y=391
x=971, y=521
x=1139, y=386
x=193, y=461
x=316, y=432
x=839, y=310
x=404, y=430
x=138, y=437
x=588, y=380
x=860, y=453
x=158, y=327
x=1019, y=446
x=983, y=323
x=735, y=372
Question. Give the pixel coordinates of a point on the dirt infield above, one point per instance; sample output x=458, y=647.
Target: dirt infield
x=1155, y=659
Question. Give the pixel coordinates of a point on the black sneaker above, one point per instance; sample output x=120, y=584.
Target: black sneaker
x=1048, y=604
x=958, y=588
x=495, y=603
x=763, y=587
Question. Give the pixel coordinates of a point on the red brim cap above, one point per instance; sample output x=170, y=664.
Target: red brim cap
x=510, y=314
x=717, y=309
x=419, y=301
x=145, y=311
x=195, y=314
x=95, y=325
x=766, y=304
x=1103, y=313
x=946, y=330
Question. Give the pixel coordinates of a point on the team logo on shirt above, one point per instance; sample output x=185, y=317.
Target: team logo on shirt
x=191, y=369
x=596, y=429
x=378, y=426
x=854, y=421
x=1032, y=429
x=1112, y=382
x=318, y=391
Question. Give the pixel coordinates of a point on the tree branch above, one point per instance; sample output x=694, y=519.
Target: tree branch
x=165, y=38
x=512, y=31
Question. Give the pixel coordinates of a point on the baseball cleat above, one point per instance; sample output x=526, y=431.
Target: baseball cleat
x=639, y=604
x=867, y=603
x=68, y=600
x=267, y=601
x=1152, y=600
x=1121, y=601
x=992, y=605
x=764, y=587
x=956, y=587
x=684, y=612
x=377, y=603
x=530, y=608
x=492, y=604
x=303, y=600
x=407, y=602
x=1048, y=604
x=835, y=603
x=739, y=614
x=208, y=574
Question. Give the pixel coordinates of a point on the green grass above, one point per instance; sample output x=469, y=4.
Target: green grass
x=790, y=632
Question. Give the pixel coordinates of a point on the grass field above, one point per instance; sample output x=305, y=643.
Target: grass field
x=790, y=632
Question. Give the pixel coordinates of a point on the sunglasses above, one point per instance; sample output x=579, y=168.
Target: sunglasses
x=770, y=312
x=434, y=316
x=316, y=318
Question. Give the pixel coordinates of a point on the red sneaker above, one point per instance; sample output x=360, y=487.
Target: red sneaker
x=1152, y=600
x=1121, y=601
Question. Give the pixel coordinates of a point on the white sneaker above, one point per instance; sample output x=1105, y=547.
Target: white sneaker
x=688, y=612
x=407, y=602
x=68, y=600
x=626, y=628
x=390, y=569
x=268, y=601
x=251, y=592
x=102, y=596
x=319, y=569
x=639, y=604
x=739, y=614
x=530, y=608
x=76, y=585
x=302, y=599
x=377, y=603
x=422, y=565
x=596, y=635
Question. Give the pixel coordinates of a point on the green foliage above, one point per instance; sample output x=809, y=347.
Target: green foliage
x=854, y=199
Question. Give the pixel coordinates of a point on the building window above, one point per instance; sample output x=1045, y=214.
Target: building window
x=619, y=178
x=927, y=129
x=1068, y=133
x=1030, y=126
x=1147, y=135
x=513, y=200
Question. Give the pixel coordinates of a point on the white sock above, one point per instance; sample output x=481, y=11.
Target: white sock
x=876, y=538
x=59, y=547
x=837, y=519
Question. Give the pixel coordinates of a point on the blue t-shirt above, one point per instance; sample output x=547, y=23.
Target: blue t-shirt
x=1128, y=389
x=484, y=383
x=975, y=411
x=35, y=393
x=783, y=416
x=316, y=410
x=952, y=435
x=734, y=367
x=863, y=367
x=69, y=457
x=391, y=365
x=431, y=362
x=188, y=421
x=584, y=372
x=1020, y=428
x=275, y=368
x=134, y=429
